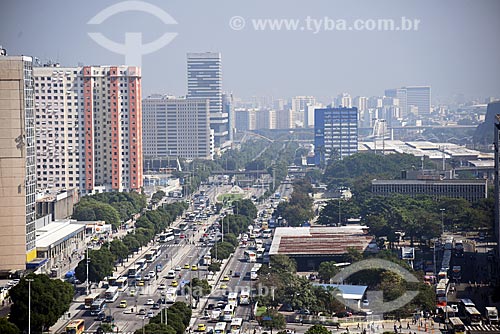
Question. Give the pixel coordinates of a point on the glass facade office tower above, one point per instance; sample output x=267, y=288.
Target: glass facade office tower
x=205, y=81
x=335, y=133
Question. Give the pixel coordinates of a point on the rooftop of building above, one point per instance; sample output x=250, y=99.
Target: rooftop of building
x=422, y=148
x=431, y=181
x=352, y=292
x=319, y=240
x=56, y=232
x=55, y=194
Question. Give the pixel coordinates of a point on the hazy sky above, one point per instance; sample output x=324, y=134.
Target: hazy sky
x=455, y=49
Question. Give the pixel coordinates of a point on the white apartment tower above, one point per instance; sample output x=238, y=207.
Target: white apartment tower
x=176, y=127
x=299, y=106
x=89, y=128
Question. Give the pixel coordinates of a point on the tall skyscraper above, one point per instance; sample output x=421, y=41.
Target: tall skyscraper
x=245, y=119
x=205, y=81
x=285, y=119
x=176, y=127
x=418, y=97
x=343, y=100
x=335, y=133
x=299, y=106
x=89, y=127
x=228, y=108
x=309, y=114
x=495, y=107
x=17, y=163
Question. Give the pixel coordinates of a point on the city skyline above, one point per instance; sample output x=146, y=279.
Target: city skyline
x=451, y=51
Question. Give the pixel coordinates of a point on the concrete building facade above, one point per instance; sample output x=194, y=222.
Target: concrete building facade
x=176, y=127
x=471, y=190
x=17, y=163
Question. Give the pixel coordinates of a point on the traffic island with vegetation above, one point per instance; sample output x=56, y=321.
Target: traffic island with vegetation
x=178, y=317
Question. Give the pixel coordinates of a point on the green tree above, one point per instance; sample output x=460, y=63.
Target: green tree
x=232, y=239
x=100, y=265
x=276, y=320
x=317, y=329
x=157, y=196
x=50, y=299
x=199, y=288
x=282, y=263
x=124, y=209
x=327, y=270
x=94, y=210
x=353, y=255
x=222, y=250
x=118, y=249
x=245, y=207
x=130, y=241
x=7, y=327
x=214, y=266
x=156, y=328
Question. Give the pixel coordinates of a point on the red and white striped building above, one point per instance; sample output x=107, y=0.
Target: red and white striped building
x=89, y=128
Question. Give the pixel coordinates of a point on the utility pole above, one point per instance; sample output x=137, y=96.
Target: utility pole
x=87, y=261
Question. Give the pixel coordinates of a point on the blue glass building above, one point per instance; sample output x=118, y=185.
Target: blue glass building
x=335, y=133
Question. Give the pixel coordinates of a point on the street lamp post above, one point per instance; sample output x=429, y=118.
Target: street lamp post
x=442, y=219
x=29, y=280
x=190, y=284
x=434, y=253
x=340, y=197
x=87, y=261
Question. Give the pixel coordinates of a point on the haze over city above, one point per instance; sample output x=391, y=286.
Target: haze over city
x=453, y=50
x=230, y=167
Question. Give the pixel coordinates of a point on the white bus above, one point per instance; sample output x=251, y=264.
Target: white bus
x=232, y=299
x=258, y=243
x=267, y=233
x=245, y=297
x=220, y=328
x=228, y=313
x=90, y=299
x=122, y=284
x=97, y=306
x=167, y=236
x=455, y=326
x=250, y=256
x=171, y=295
x=150, y=256
x=441, y=292
x=472, y=316
x=111, y=294
x=134, y=271
x=141, y=263
x=254, y=270
x=235, y=325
